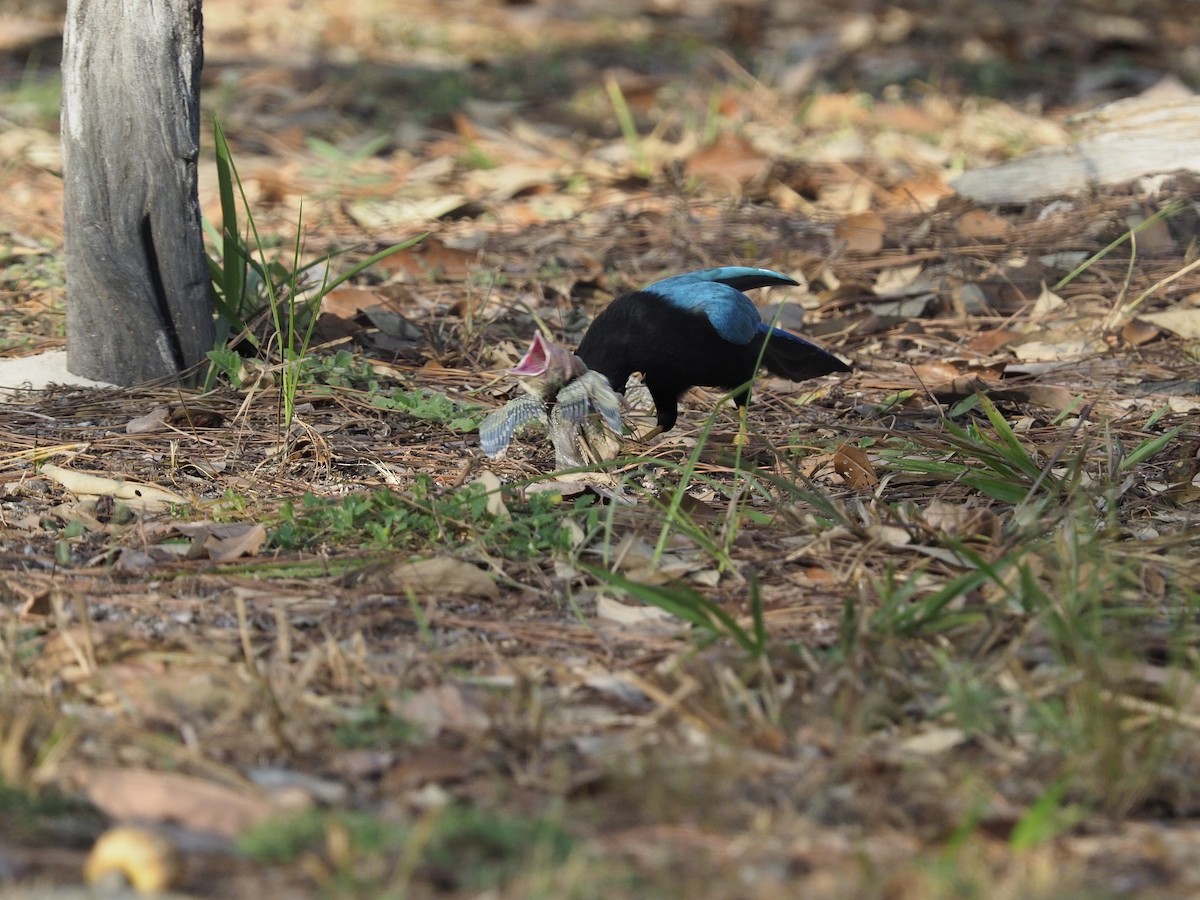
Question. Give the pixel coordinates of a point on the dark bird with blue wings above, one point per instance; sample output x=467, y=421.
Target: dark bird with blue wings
x=698, y=329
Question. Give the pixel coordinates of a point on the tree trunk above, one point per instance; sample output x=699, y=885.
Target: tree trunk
x=138, y=305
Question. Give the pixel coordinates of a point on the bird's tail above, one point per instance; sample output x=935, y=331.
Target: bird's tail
x=789, y=356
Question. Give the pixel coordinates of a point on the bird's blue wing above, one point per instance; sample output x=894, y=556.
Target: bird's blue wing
x=743, y=278
x=717, y=294
x=778, y=333
x=730, y=311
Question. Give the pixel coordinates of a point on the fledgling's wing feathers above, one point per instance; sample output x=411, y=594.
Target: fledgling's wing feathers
x=497, y=430
x=590, y=393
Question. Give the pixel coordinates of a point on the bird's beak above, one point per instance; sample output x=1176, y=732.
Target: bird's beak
x=536, y=359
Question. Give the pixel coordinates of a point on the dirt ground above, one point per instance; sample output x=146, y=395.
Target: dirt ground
x=931, y=633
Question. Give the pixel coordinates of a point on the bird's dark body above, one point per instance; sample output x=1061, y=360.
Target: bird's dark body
x=676, y=347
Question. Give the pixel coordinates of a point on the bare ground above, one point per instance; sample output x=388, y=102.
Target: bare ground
x=978, y=679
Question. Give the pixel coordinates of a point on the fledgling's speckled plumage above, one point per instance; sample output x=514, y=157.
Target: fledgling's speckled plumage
x=697, y=329
x=576, y=406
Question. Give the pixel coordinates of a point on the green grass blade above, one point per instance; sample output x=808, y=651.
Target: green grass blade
x=1148, y=448
x=683, y=602
x=233, y=270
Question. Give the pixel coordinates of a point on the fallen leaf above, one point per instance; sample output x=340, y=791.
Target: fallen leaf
x=937, y=372
x=861, y=232
x=439, y=576
x=434, y=765
x=1059, y=351
x=730, y=157
x=1183, y=322
x=1047, y=396
x=1047, y=302
x=627, y=614
x=961, y=521
x=443, y=707
x=920, y=194
x=196, y=804
x=1152, y=238
x=88, y=484
x=979, y=223
x=1136, y=332
x=933, y=741
x=155, y=420
x=430, y=259
x=900, y=281
x=988, y=342
x=247, y=541
x=348, y=302
x=505, y=182
x=397, y=213
x=853, y=465
x=495, y=497
x=890, y=535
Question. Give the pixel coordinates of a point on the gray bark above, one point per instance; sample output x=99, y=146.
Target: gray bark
x=138, y=306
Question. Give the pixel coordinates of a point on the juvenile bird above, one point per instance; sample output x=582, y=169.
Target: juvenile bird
x=697, y=329
x=575, y=405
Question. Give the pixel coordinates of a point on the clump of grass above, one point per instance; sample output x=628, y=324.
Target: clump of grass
x=246, y=283
x=425, y=516
x=420, y=404
x=373, y=726
x=459, y=847
x=696, y=609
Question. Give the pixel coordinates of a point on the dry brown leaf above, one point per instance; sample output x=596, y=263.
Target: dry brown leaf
x=837, y=110
x=1047, y=396
x=89, y=484
x=1061, y=351
x=430, y=259
x=490, y=482
x=434, y=765
x=1183, y=322
x=961, y=521
x=1047, y=302
x=937, y=372
x=1153, y=238
x=274, y=186
x=933, y=741
x=730, y=157
x=247, y=540
x=853, y=465
x=436, y=577
x=401, y=212
x=979, y=223
x=900, y=281
x=505, y=182
x=889, y=535
x=988, y=342
x=348, y=302
x=1136, y=332
x=443, y=707
x=34, y=596
x=627, y=614
x=920, y=194
x=907, y=118
x=194, y=803
x=861, y=232
x=155, y=420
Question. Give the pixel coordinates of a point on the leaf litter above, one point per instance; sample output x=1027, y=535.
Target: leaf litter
x=972, y=557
